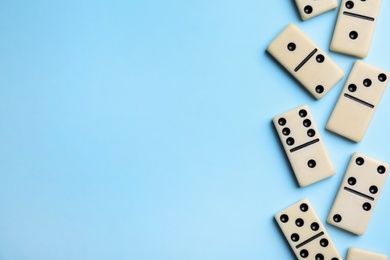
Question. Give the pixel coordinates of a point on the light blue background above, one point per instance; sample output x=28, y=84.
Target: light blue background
x=142, y=130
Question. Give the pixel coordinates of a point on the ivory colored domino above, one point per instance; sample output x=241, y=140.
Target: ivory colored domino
x=309, y=8
x=305, y=61
x=358, y=101
x=360, y=254
x=358, y=194
x=303, y=145
x=355, y=27
x=305, y=233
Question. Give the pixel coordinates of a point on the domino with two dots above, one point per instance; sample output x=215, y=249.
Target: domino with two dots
x=309, y=8
x=360, y=254
x=358, y=101
x=305, y=61
x=305, y=233
x=355, y=27
x=358, y=194
x=303, y=145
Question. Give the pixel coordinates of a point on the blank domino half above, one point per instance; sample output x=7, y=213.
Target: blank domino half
x=360, y=254
x=358, y=101
x=305, y=61
x=355, y=27
x=303, y=145
x=309, y=8
x=305, y=232
x=358, y=194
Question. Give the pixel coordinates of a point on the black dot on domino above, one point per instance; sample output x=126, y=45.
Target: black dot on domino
x=335, y=258
x=381, y=169
x=352, y=87
x=282, y=121
x=337, y=218
x=373, y=189
x=367, y=206
x=324, y=242
x=308, y=9
x=349, y=4
x=382, y=77
x=295, y=237
x=311, y=163
x=359, y=161
x=284, y=218
x=320, y=89
x=351, y=181
x=299, y=222
x=367, y=82
x=319, y=257
x=291, y=46
x=353, y=35
x=320, y=58
x=314, y=226
x=286, y=131
x=304, y=253
x=311, y=132
x=303, y=207
x=307, y=122
x=290, y=141
x=302, y=113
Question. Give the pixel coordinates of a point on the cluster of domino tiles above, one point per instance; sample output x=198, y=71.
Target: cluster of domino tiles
x=365, y=177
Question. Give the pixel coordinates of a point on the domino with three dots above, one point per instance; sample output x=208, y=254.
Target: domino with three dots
x=355, y=27
x=358, y=194
x=305, y=233
x=305, y=61
x=303, y=145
